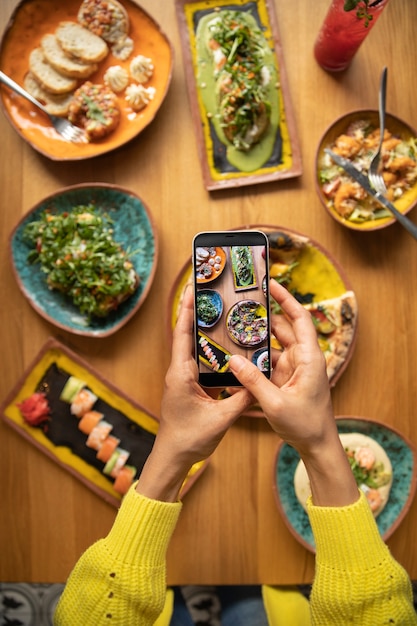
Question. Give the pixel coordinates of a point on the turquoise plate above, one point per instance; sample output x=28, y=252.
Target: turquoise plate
x=403, y=458
x=133, y=228
x=216, y=301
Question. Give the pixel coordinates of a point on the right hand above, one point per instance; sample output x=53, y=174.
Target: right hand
x=296, y=401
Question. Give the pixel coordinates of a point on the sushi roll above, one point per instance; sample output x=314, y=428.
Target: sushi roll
x=89, y=421
x=99, y=433
x=83, y=402
x=107, y=448
x=125, y=479
x=116, y=462
x=71, y=388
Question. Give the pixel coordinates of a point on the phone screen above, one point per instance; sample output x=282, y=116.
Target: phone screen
x=231, y=302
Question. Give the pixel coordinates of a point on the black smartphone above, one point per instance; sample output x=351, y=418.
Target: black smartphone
x=231, y=303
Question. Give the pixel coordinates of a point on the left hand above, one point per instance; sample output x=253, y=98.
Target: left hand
x=192, y=423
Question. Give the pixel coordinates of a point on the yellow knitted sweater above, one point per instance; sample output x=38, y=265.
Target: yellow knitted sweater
x=120, y=580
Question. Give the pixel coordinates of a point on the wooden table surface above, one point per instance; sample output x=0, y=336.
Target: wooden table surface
x=230, y=530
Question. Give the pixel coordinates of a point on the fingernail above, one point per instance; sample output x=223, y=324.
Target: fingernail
x=236, y=362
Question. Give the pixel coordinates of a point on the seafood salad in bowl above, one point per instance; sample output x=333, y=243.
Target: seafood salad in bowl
x=383, y=462
x=356, y=137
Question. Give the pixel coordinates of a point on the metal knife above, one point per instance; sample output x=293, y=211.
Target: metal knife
x=364, y=182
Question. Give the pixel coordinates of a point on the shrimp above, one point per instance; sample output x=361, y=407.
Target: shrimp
x=346, y=198
x=390, y=143
x=371, y=141
x=347, y=146
x=390, y=179
x=374, y=499
x=365, y=457
x=399, y=164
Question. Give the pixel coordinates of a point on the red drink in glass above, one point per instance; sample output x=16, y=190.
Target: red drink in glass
x=343, y=32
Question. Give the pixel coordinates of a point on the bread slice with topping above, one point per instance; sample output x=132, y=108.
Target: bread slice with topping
x=106, y=18
x=54, y=104
x=109, y=20
x=64, y=64
x=81, y=43
x=47, y=77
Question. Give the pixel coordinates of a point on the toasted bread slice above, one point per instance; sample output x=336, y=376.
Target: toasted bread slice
x=64, y=64
x=81, y=43
x=54, y=104
x=48, y=78
x=106, y=18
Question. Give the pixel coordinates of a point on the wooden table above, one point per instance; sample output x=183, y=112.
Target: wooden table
x=230, y=530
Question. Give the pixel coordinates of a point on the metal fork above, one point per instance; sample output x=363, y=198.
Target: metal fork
x=374, y=175
x=67, y=130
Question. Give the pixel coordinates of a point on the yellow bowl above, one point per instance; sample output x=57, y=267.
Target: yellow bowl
x=397, y=127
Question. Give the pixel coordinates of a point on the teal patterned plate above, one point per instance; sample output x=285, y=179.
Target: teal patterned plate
x=133, y=228
x=403, y=458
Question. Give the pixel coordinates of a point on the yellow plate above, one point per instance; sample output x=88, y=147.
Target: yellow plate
x=317, y=273
x=60, y=438
x=34, y=18
x=221, y=166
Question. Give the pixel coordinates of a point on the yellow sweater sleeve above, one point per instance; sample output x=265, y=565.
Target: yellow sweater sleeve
x=357, y=581
x=121, y=579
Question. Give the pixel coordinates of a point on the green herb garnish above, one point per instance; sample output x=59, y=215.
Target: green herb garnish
x=94, y=111
x=373, y=478
x=241, y=90
x=361, y=7
x=206, y=310
x=77, y=252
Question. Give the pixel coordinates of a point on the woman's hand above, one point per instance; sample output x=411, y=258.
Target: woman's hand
x=297, y=403
x=192, y=423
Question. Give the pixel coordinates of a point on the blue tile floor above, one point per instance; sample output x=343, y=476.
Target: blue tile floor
x=23, y=604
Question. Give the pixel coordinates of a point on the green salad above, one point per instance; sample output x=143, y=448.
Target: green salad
x=206, y=309
x=80, y=258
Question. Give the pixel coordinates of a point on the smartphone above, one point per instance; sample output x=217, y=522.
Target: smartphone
x=231, y=303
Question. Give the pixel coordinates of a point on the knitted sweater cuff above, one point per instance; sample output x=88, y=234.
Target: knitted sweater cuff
x=142, y=529
x=346, y=537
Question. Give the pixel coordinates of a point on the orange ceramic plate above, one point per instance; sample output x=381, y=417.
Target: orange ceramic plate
x=34, y=18
x=216, y=273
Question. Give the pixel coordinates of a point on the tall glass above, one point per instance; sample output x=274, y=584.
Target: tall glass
x=343, y=32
